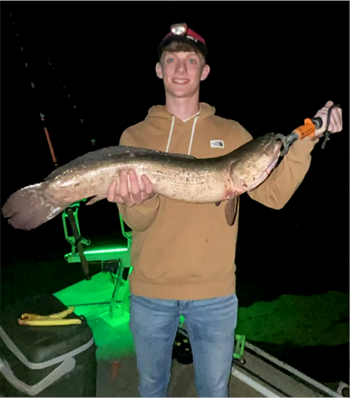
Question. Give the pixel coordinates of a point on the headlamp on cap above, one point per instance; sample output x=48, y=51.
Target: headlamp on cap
x=180, y=31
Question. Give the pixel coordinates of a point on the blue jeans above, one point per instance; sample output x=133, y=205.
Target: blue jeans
x=211, y=327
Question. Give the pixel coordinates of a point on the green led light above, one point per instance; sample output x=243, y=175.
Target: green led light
x=105, y=251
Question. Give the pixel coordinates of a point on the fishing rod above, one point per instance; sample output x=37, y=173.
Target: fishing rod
x=54, y=159
x=70, y=213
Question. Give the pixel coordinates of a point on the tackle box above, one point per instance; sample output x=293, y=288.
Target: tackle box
x=45, y=361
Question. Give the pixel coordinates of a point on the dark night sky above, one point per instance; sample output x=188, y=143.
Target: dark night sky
x=272, y=65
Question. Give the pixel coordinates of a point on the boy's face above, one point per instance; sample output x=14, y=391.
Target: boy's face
x=182, y=73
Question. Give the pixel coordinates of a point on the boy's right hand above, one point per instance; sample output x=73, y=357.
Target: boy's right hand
x=128, y=191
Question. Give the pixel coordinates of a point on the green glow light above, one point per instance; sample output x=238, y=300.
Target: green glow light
x=106, y=251
x=101, y=254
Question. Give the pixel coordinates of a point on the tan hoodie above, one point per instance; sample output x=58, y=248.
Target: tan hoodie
x=184, y=251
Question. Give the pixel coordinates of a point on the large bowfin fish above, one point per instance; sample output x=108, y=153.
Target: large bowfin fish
x=176, y=176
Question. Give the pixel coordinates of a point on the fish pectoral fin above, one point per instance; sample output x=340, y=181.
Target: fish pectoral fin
x=231, y=211
x=217, y=203
x=95, y=199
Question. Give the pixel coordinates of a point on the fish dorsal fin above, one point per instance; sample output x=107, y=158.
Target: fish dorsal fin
x=115, y=153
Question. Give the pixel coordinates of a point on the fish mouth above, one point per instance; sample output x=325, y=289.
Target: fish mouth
x=272, y=166
x=273, y=148
x=263, y=176
x=277, y=147
x=276, y=152
x=244, y=183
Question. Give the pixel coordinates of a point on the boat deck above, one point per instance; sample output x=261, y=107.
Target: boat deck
x=260, y=375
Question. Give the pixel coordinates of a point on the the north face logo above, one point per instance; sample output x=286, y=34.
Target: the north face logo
x=217, y=144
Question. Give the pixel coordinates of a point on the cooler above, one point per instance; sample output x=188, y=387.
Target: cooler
x=45, y=361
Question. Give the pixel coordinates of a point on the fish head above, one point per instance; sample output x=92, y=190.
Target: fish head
x=255, y=162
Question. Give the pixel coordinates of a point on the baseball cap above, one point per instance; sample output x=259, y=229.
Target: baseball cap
x=181, y=32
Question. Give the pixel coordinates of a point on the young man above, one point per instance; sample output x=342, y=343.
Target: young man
x=183, y=254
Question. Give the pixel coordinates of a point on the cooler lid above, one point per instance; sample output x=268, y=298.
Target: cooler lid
x=43, y=343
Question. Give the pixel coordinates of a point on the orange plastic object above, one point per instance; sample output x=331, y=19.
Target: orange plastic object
x=307, y=129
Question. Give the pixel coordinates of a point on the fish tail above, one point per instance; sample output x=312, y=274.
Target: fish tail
x=28, y=208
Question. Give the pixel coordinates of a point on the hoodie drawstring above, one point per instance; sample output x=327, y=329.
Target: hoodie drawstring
x=192, y=133
x=170, y=133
